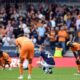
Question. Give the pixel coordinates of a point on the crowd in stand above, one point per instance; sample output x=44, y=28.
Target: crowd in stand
x=49, y=25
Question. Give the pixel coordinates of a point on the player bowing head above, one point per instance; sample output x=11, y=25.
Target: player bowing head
x=75, y=47
x=5, y=59
x=26, y=51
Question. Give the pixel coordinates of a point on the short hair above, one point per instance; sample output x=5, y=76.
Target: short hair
x=70, y=44
x=20, y=35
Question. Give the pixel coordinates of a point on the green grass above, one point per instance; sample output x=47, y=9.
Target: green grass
x=38, y=74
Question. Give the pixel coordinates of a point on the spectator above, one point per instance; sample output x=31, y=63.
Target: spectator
x=34, y=31
x=12, y=39
x=77, y=37
x=40, y=15
x=3, y=16
x=9, y=29
x=6, y=40
x=33, y=39
x=24, y=27
x=53, y=22
x=1, y=42
x=68, y=21
x=41, y=31
x=78, y=22
x=35, y=22
x=60, y=21
x=72, y=30
x=2, y=30
x=62, y=36
x=46, y=42
x=39, y=41
x=52, y=38
x=15, y=14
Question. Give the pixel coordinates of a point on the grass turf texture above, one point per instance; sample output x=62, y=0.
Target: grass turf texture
x=38, y=74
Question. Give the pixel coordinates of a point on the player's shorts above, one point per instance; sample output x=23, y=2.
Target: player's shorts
x=27, y=52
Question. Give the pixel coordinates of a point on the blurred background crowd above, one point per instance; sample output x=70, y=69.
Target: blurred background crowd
x=48, y=24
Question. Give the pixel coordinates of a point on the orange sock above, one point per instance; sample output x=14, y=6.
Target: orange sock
x=21, y=69
x=29, y=68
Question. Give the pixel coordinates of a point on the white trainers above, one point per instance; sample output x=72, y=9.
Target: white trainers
x=20, y=77
x=29, y=76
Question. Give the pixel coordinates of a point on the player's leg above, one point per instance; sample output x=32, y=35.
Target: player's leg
x=43, y=65
x=78, y=65
x=78, y=62
x=79, y=54
x=75, y=54
x=30, y=57
x=3, y=63
x=8, y=63
x=21, y=68
x=48, y=68
x=29, y=68
x=77, y=59
x=22, y=57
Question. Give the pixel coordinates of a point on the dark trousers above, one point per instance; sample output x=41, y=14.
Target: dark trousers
x=52, y=44
x=63, y=45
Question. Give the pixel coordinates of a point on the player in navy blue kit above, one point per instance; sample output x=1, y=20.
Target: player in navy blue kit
x=46, y=60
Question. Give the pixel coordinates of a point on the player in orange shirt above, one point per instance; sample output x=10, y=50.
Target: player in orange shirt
x=4, y=59
x=26, y=49
x=75, y=47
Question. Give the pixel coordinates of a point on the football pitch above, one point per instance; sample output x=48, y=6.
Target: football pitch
x=38, y=74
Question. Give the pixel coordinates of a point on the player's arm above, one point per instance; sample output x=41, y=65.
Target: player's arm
x=39, y=60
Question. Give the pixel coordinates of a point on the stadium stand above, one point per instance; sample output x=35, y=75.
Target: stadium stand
x=40, y=22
